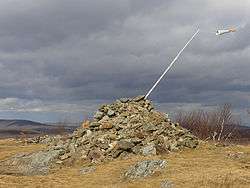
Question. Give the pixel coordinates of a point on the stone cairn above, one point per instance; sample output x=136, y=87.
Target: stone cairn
x=125, y=128
x=122, y=129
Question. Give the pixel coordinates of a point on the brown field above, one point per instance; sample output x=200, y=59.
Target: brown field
x=206, y=166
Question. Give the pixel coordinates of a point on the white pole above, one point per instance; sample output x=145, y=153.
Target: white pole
x=171, y=64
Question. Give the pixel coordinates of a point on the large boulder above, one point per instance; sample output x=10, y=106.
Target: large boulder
x=37, y=163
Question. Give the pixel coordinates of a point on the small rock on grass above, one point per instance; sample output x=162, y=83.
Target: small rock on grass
x=149, y=150
x=87, y=170
x=166, y=184
x=144, y=169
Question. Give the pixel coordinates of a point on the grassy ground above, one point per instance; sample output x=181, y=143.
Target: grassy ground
x=206, y=166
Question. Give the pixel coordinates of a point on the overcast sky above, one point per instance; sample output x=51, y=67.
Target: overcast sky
x=61, y=59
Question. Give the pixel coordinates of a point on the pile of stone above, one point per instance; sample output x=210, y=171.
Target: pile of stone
x=126, y=127
x=122, y=129
x=46, y=139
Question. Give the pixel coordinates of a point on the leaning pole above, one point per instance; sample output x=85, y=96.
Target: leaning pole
x=171, y=64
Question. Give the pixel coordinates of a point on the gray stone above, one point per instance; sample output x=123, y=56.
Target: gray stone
x=89, y=133
x=72, y=148
x=105, y=118
x=94, y=124
x=191, y=142
x=80, y=132
x=125, y=155
x=150, y=127
x=149, y=150
x=144, y=168
x=166, y=184
x=60, y=145
x=124, y=100
x=138, y=98
x=37, y=163
x=45, y=141
x=95, y=155
x=59, y=162
x=98, y=115
x=116, y=153
x=87, y=170
x=111, y=113
x=124, y=145
x=65, y=156
x=136, y=150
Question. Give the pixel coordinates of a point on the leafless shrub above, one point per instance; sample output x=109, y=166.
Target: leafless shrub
x=218, y=124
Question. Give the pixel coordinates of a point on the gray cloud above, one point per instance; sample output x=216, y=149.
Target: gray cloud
x=69, y=52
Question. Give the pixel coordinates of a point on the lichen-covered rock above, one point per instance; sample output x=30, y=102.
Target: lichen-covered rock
x=149, y=150
x=166, y=184
x=37, y=163
x=144, y=168
x=87, y=170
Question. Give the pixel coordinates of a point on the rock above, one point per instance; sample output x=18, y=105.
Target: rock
x=111, y=113
x=105, y=118
x=80, y=132
x=59, y=162
x=94, y=124
x=95, y=155
x=49, y=140
x=65, y=156
x=106, y=125
x=138, y=98
x=124, y=145
x=37, y=163
x=144, y=169
x=115, y=153
x=98, y=115
x=112, y=145
x=72, y=148
x=59, y=145
x=191, y=142
x=87, y=170
x=89, y=133
x=166, y=184
x=150, y=128
x=124, y=100
x=149, y=150
x=84, y=154
x=125, y=155
x=237, y=155
x=136, y=149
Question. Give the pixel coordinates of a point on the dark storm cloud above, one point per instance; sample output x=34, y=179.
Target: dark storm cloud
x=70, y=52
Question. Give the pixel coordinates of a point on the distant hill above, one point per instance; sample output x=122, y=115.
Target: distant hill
x=19, y=123
x=17, y=127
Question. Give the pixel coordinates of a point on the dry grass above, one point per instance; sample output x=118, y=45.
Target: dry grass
x=206, y=166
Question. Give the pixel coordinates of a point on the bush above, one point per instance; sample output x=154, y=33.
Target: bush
x=218, y=124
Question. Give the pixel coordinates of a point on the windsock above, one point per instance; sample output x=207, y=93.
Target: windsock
x=224, y=31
